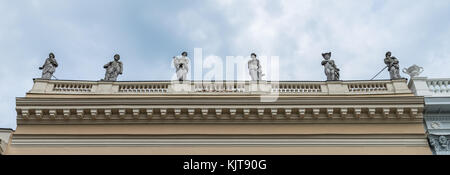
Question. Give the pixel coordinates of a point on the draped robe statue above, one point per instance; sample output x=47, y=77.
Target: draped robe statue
x=393, y=66
x=331, y=71
x=113, y=69
x=181, y=64
x=49, y=67
x=254, y=68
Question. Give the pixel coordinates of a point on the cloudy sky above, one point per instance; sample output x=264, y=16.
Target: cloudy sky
x=85, y=34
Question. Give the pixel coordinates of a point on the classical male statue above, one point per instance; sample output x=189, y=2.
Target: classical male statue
x=181, y=64
x=113, y=69
x=254, y=68
x=49, y=67
x=331, y=71
x=393, y=66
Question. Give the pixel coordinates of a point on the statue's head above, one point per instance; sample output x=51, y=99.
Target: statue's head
x=117, y=57
x=184, y=54
x=51, y=55
x=326, y=56
x=388, y=54
x=442, y=139
x=253, y=55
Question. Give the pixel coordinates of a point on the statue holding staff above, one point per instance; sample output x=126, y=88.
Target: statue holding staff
x=393, y=66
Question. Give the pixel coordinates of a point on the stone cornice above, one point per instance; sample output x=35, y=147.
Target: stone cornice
x=221, y=140
x=220, y=100
x=87, y=102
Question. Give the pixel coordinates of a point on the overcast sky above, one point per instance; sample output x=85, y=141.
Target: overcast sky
x=85, y=34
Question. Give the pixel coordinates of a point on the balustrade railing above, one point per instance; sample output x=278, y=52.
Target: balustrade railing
x=367, y=87
x=198, y=87
x=144, y=88
x=439, y=86
x=72, y=87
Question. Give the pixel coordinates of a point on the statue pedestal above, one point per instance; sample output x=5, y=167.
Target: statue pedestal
x=337, y=87
x=259, y=87
x=106, y=87
x=183, y=87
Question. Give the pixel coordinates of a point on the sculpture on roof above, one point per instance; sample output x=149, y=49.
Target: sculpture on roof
x=254, y=68
x=181, y=64
x=113, y=69
x=330, y=68
x=393, y=66
x=49, y=67
x=413, y=71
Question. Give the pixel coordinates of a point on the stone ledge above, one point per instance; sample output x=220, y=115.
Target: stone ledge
x=68, y=87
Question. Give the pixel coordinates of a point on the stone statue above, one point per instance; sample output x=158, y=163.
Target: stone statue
x=331, y=71
x=113, y=69
x=413, y=71
x=181, y=64
x=393, y=67
x=254, y=68
x=49, y=67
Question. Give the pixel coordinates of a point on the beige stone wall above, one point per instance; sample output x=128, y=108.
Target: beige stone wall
x=260, y=129
x=269, y=150
x=364, y=134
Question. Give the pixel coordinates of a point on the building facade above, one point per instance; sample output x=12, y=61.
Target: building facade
x=220, y=117
x=436, y=92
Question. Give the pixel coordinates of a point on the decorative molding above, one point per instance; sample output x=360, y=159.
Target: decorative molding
x=149, y=112
x=218, y=112
x=302, y=112
x=274, y=112
x=344, y=113
x=163, y=112
x=316, y=112
x=222, y=112
x=386, y=112
x=233, y=112
x=400, y=112
x=358, y=113
x=261, y=112
x=330, y=112
x=372, y=112
x=440, y=144
x=226, y=140
x=191, y=112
